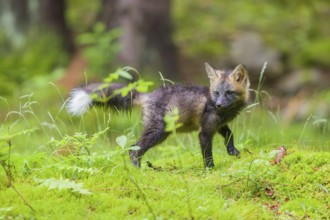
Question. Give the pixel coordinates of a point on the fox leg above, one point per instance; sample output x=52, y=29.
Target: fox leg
x=205, y=140
x=229, y=140
x=150, y=137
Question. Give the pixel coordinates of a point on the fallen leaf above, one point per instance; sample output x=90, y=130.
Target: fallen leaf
x=269, y=192
x=280, y=155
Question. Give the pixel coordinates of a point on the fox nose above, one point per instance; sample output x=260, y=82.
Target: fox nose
x=218, y=105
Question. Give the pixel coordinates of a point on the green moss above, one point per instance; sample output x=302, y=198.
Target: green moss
x=305, y=208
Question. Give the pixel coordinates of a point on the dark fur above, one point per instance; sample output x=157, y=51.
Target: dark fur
x=208, y=109
x=106, y=96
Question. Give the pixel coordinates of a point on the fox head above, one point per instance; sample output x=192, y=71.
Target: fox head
x=228, y=89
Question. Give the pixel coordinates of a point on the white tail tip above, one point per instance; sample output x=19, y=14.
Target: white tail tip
x=79, y=102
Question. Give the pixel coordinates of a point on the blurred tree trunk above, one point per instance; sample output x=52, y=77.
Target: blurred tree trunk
x=21, y=13
x=14, y=19
x=52, y=15
x=17, y=17
x=147, y=33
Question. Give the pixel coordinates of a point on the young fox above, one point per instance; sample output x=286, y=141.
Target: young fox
x=207, y=109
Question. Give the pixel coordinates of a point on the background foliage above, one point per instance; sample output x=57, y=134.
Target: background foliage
x=296, y=31
x=294, y=28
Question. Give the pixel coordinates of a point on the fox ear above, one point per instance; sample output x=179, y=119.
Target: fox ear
x=240, y=74
x=210, y=71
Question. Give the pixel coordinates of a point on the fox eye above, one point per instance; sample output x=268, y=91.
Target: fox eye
x=217, y=93
x=229, y=92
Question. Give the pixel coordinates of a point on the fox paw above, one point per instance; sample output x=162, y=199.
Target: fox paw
x=133, y=155
x=233, y=151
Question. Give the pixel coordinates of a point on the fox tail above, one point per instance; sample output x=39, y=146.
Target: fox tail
x=98, y=94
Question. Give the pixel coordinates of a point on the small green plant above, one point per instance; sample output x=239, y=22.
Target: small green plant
x=4, y=212
x=5, y=161
x=171, y=120
x=61, y=184
x=75, y=144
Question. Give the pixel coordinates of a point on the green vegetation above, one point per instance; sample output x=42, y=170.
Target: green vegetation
x=59, y=167
x=28, y=65
x=54, y=166
x=101, y=47
x=218, y=22
x=301, y=38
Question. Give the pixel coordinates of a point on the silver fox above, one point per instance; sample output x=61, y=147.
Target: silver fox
x=208, y=109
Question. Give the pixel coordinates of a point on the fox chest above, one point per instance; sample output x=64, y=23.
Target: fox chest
x=213, y=121
x=189, y=111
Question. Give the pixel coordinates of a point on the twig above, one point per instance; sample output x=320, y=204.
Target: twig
x=149, y=164
x=20, y=195
x=127, y=188
x=247, y=150
x=9, y=176
x=229, y=184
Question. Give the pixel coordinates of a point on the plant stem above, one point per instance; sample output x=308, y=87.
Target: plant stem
x=144, y=196
x=21, y=196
